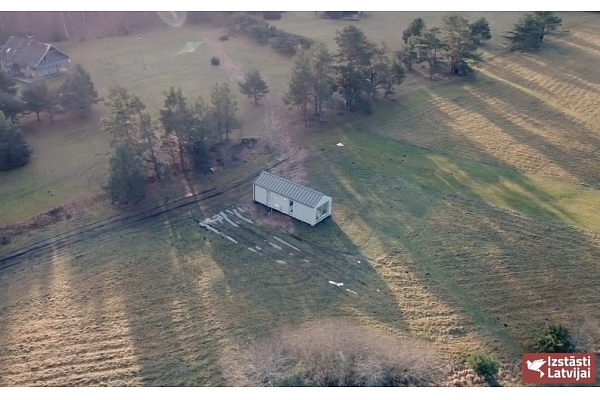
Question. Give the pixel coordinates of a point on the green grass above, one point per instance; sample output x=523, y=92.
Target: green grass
x=70, y=156
x=450, y=224
x=368, y=151
x=68, y=159
x=122, y=59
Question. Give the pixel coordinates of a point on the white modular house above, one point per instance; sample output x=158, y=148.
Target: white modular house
x=292, y=199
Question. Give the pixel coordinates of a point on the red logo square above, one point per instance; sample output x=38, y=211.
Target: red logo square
x=579, y=368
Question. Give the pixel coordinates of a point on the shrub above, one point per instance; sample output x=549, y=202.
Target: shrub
x=272, y=15
x=336, y=354
x=199, y=155
x=556, y=339
x=215, y=61
x=364, y=106
x=4, y=240
x=484, y=365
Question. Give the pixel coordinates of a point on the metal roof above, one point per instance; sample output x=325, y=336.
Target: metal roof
x=288, y=189
x=27, y=52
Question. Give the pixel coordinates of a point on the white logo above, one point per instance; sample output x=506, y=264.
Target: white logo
x=536, y=365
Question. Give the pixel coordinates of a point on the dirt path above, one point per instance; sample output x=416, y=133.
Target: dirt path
x=138, y=218
x=279, y=126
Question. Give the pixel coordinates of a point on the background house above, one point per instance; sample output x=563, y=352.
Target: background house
x=28, y=60
x=290, y=198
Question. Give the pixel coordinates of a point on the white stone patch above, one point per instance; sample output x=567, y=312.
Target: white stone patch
x=229, y=212
x=213, y=219
x=274, y=245
x=242, y=217
x=258, y=247
x=286, y=243
x=351, y=291
x=252, y=250
x=305, y=260
x=280, y=262
x=226, y=218
x=210, y=228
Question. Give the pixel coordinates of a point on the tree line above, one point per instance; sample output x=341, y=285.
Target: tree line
x=178, y=139
x=263, y=32
x=77, y=93
x=56, y=26
x=361, y=70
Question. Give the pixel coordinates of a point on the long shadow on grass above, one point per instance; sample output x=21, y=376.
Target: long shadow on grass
x=489, y=263
x=283, y=279
x=492, y=181
x=544, y=116
x=175, y=335
x=571, y=53
x=537, y=67
x=397, y=209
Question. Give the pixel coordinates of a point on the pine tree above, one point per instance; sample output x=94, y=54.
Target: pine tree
x=253, y=86
x=14, y=151
x=126, y=184
x=525, y=35
x=78, y=92
x=461, y=48
x=480, y=30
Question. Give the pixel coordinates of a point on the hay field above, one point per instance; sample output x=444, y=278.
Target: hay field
x=464, y=215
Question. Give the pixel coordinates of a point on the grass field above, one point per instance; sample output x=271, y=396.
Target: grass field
x=71, y=156
x=465, y=215
x=68, y=159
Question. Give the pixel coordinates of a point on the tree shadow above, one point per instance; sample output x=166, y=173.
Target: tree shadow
x=503, y=109
x=489, y=264
x=283, y=278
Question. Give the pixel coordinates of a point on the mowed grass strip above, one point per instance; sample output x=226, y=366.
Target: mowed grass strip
x=497, y=185
x=477, y=268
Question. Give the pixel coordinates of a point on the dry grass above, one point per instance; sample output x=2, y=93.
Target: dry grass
x=453, y=242
x=336, y=353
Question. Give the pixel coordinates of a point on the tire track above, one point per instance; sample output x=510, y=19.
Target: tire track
x=135, y=219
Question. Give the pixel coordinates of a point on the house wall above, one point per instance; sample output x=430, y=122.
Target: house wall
x=324, y=200
x=304, y=213
x=278, y=202
x=50, y=69
x=260, y=194
x=281, y=204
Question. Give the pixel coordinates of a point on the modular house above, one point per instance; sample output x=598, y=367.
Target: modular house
x=292, y=199
x=27, y=60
